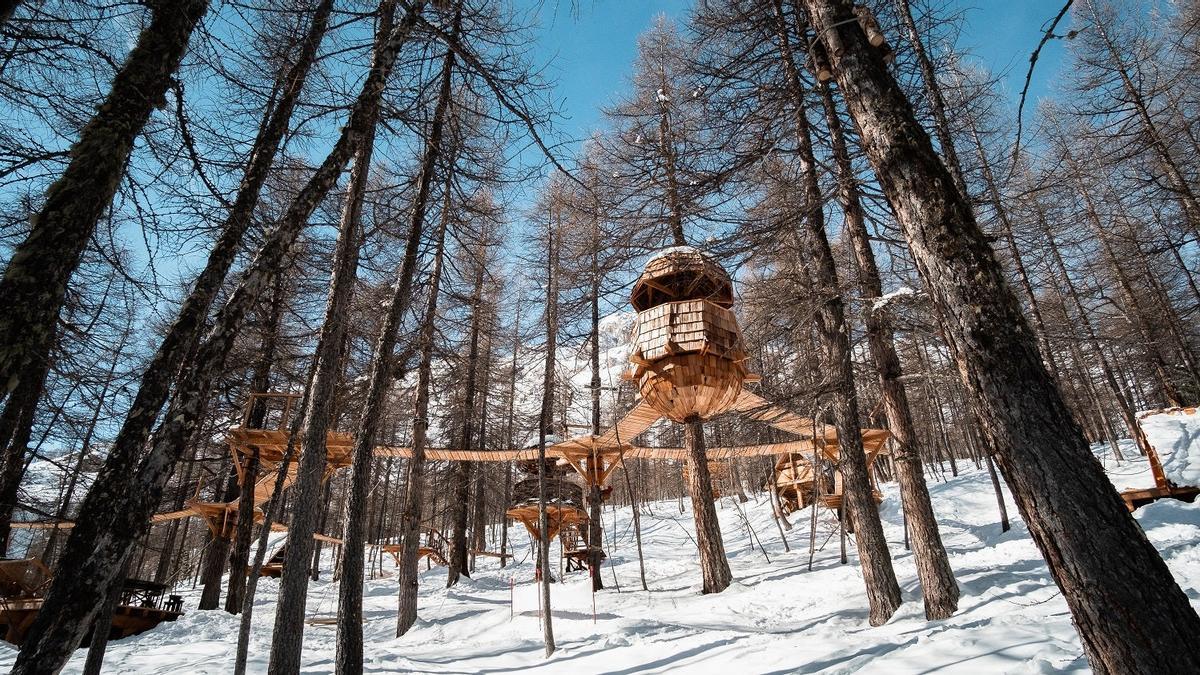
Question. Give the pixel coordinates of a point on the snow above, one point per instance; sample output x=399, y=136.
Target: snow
x=1176, y=437
x=883, y=300
x=662, y=97
x=778, y=616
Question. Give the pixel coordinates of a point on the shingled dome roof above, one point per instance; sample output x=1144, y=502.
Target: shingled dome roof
x=681, y=273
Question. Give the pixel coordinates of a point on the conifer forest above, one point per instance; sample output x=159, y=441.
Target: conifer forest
x=593, y=336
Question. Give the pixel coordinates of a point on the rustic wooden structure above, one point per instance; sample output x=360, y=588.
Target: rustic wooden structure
x=140, y=606
x=1164, y=488
x=564, y=506
x=795, y=473
x=688, y=354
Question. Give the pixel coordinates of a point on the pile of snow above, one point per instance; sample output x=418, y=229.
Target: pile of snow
x=778, y=616
x=885, y=299
x=1176, y=437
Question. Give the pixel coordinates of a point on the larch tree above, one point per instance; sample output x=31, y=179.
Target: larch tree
x=1090, y=541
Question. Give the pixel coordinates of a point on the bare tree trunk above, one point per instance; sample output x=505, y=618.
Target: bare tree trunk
x=271, y=513
x=259, y=382
x=545, y=425
x=118, y=507
x=714, y=566
x=939, y=590
x=637, y=525
x=1124, y=405
x=1006, y=230
x=462, y=470
x=34, y=285
x=1130, y=298
x=883, y=592
x=595, y=532
x=1091, y=543
x=350, y=599
x=288, y=636
x=509, y=424
x=245, y=531
x=103, y=626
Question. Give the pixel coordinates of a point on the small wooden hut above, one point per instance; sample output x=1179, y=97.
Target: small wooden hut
x=688, y=353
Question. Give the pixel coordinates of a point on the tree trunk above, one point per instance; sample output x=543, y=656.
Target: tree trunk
x=883, y=592
x=350, y=596
x=288, y=636
x=1091, y=543
x=714, y=566
x=545, y=425
x=103, y=626
x=595, y=531
x=240, y=557
x=34, y=286
x=939, y=590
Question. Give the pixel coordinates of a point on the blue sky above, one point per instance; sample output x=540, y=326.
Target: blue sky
x=590, y=51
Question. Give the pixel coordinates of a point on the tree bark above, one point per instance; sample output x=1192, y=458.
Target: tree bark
x=883, y=592
x=939, y=590
x=288, y=636
x=1092, y=544
x=240, y=557
x=545, y=425
x=350, y=597
x=462, y=470
x=410, y=515
x=714, y=566
x=34, y=286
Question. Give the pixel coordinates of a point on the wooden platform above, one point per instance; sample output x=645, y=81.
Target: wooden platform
x=16, y=616
x=557, y=516
x=1137, y=498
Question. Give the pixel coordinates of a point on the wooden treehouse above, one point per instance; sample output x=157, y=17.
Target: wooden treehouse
x=800, y=479
x=23, y=584
x=688, y=362
x=564, y=505
x=688, y=355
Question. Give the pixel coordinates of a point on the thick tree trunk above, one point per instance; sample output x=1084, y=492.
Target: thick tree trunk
x=714, y=566
x=939, y=590
x=34, y=285
x=883, y=592
x=1092, y=544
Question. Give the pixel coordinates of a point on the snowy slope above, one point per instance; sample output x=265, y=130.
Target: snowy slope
x=777, y=617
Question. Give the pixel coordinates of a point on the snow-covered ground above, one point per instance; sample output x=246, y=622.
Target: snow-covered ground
x=779, y=616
